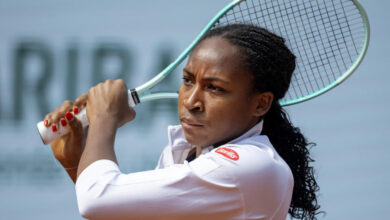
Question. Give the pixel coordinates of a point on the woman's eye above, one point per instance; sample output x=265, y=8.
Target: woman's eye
x=186, y=80
x=215, y=88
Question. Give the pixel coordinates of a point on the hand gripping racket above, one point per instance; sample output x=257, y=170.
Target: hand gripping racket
x=329, y=38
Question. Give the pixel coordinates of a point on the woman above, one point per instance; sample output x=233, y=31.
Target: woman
x=234, y=156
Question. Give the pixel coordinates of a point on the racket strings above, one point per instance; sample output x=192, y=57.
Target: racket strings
x=326, y=36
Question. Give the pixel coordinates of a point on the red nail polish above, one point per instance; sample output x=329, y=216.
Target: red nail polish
x=63, y=122
x=54, y=128
x=69, y=116
x=75, y=110
x=46, y=122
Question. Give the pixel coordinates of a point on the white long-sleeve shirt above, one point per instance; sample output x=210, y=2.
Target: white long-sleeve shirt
x=243, y=179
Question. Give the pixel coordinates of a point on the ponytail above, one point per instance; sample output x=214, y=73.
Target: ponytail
x=292, y=146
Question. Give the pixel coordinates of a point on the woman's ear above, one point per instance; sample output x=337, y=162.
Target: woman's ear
x=264, y=101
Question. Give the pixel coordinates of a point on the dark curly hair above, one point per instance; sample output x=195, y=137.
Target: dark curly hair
x=271, y=63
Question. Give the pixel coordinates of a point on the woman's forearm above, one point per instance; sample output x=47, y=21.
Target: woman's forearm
x=72, y=174
x=100, y=143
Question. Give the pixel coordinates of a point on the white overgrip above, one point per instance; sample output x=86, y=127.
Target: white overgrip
x=48, y=135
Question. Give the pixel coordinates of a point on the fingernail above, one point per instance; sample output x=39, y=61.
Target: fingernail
x=54, y=128
x=69, y=116
x=46, y=123
x=75, y=110
x=63, y=122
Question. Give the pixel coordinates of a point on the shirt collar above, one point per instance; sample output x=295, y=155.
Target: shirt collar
x=255, y=130
x=177, y=140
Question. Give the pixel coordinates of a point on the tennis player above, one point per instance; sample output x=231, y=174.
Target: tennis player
x=235, y=155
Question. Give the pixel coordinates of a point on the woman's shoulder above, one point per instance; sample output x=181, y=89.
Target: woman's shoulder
x=255, y=151
x=254, y=160
x=264, y=180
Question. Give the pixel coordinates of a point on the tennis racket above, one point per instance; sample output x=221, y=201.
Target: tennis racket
x=328, y=37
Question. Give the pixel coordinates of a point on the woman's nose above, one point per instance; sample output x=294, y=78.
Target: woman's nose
x=193, y=100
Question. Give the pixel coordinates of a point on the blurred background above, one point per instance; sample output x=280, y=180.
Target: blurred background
x=54, y=50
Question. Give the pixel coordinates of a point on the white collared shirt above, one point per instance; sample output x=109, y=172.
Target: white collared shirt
x=243, y=179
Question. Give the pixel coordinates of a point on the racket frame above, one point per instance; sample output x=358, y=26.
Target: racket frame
x=139, y=94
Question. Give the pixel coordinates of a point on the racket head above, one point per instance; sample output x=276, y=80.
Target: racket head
x=329, y=39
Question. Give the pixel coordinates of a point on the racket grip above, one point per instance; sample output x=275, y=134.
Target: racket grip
x=47, y=135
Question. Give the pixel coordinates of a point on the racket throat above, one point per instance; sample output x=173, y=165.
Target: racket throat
x=133, y=98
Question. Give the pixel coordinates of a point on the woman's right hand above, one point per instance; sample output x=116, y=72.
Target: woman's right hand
x=68, y=149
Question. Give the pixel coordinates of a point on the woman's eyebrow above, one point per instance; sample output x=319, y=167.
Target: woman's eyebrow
x=188, y=72
x=208, y=79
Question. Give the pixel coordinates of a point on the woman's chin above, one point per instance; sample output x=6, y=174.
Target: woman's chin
x=196, y=140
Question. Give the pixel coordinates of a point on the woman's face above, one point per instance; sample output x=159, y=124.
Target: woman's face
x=216, y=99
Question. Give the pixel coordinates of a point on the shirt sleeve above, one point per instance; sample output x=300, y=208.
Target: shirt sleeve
x=182, y=191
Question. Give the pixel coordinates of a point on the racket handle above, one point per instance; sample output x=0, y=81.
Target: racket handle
x=47, y=135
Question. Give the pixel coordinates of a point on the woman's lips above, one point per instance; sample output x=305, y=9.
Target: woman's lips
x=188, y=123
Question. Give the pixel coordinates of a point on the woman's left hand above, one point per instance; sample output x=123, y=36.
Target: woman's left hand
x=108, y=101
